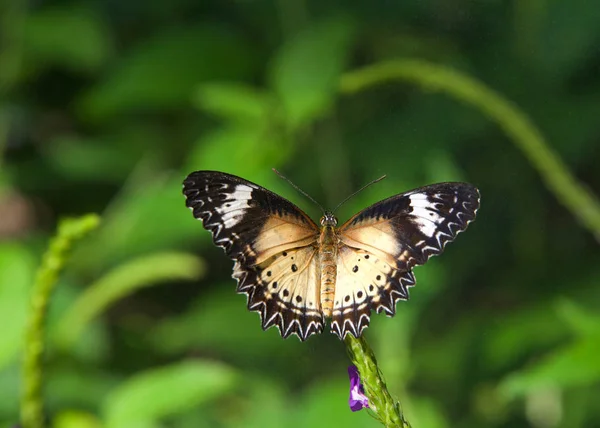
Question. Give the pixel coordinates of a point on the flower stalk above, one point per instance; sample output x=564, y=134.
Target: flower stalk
x=69, y=230
x=381, y=404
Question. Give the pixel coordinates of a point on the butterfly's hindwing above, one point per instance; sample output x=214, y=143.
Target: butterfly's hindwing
x=365, y=282
x=413, y=226
x=284, y=290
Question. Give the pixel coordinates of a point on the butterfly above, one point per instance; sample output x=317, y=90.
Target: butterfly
x=297, y=275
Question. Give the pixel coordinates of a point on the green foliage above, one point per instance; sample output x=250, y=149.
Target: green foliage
x=48, y=35
x=306, y=70
x=576, y=197
x=106, y=106
x=16, y=265
x=146, y=397
x=122, y=281
x=575, y=364
x=165, y=69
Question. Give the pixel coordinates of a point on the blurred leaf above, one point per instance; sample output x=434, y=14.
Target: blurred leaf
x=231, y=149
x=77, y=385
x=236, y=101
x=569, y=35
x=305, y=73
x=122, y=281
x=85, y=159
x=488, y=404
x=570, y=135
x=511, y=336
x=574, y=365
x=436, y=372
x=394, y=355
x=423, y=412
x=441, y=166
x=164, y=71
x=198, y=417
x=16, y=267
x=149, y=215
x=266, y=404
x=219, y=321
x=72, y=37
x=10, y=376
x=582, y=322
x=94, y=347
x=76, y=419
x=157, y=393
x=410, y=131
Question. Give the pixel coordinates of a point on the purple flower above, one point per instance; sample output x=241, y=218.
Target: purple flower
x=358, y=399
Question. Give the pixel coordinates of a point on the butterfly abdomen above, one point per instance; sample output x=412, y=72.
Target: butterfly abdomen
x=328, y=249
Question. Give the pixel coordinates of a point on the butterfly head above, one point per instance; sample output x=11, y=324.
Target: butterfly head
x=328, y=219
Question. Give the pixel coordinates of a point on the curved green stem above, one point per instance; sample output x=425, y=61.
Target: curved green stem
x=582, y=203
x=386, y=409
x=125, y=279
x=53, y=260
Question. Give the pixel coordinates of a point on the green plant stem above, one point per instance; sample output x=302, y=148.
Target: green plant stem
x=53, y=260
x=386, y=409
x=582, y=203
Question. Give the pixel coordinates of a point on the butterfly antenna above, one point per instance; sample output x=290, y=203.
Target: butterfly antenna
x=358, y=191
x=298, y=189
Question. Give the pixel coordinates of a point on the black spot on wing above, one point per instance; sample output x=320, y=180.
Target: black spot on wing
x=290, y=318
x=354, y=314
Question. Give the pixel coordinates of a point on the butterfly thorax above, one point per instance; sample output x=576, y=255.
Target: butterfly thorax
x=328, y=253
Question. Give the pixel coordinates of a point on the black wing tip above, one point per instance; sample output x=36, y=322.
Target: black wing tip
x=193, y=182
x=193, y=178
x=467, y=189
x=209, y=175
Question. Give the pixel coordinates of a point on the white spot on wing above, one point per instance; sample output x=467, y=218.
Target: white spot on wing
x=425, y=227
x=423, y=215
x=234, y=208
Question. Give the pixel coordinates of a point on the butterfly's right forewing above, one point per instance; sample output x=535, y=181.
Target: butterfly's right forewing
x=381, y=244
x=411, y=227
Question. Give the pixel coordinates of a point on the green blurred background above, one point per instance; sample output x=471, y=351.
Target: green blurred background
x=107, y=105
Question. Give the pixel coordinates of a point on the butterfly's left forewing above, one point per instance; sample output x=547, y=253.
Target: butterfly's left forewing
x=381, y=244
x=272, y=242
